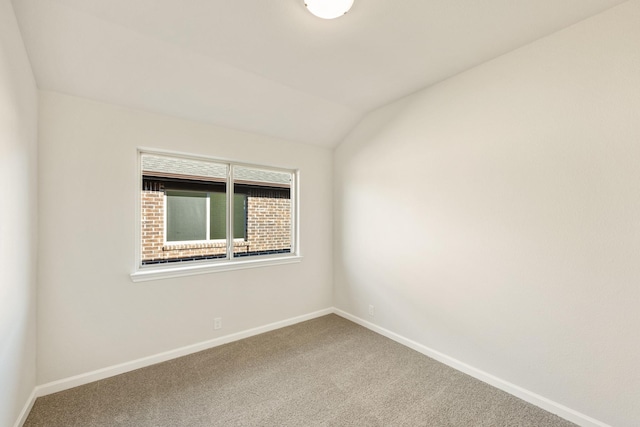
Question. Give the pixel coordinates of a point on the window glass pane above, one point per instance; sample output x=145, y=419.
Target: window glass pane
x=218, y=215
x=186, y=216
x=184, y=210
x=240, y=216
x=176, y=188
x=267, y=210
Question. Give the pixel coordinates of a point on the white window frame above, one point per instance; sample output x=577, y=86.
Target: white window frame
x=188, y=268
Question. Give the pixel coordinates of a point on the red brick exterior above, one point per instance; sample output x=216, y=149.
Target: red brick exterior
x=152, y=221
x=268, y=223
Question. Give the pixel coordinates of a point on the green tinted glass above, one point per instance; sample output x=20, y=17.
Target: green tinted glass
x=218, y=213
x=186, y=216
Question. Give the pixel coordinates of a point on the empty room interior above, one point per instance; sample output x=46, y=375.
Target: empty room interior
x=276, y=213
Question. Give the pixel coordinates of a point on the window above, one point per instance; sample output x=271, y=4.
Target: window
x=201, y=217
x=196, y=211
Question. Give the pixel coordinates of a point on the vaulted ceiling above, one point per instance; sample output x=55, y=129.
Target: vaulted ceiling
x=269, y=66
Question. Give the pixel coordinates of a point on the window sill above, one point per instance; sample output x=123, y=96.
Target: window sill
x=166, y=272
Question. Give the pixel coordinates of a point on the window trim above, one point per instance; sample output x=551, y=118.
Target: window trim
x=178, y=269
x=201, y=267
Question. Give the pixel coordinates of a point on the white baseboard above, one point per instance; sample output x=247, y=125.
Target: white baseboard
x=27, y=408
x=526, y=395
x=77, y=380
x=521, y=393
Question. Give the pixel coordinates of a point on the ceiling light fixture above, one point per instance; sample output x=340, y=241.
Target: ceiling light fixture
x=328, y=9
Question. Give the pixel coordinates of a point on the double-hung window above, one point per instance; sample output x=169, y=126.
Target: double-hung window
x=197, y=212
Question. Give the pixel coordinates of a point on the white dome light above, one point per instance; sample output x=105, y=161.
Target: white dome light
x=328, y=9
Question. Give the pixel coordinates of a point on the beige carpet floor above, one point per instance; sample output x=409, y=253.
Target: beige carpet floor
x=324, y=372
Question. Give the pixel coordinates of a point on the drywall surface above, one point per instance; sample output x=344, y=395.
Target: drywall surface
x=91, y=315
x=495, y=217
x=18, y=207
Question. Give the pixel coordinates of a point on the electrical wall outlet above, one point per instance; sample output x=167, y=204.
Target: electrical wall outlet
x=372, y=310
x=217, y=323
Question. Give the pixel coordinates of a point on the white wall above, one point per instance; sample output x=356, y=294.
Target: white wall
x=495, y=217
x=18, y=162
x=91, y=315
